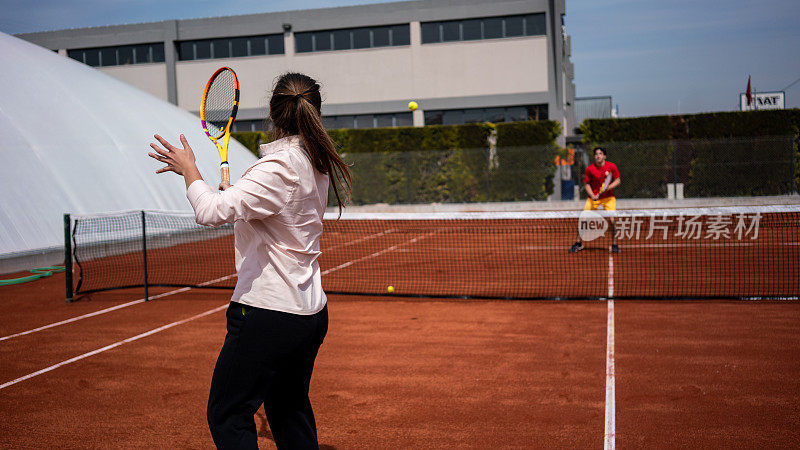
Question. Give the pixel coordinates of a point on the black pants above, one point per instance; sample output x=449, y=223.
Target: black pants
x=267, y=357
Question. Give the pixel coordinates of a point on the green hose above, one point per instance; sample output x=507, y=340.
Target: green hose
x=40, y=272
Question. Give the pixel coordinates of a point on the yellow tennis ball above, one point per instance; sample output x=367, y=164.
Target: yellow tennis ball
x=390, y=289
x=412, y=106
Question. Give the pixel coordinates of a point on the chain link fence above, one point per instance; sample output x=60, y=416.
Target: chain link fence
x=731, y=167
x=452, y=176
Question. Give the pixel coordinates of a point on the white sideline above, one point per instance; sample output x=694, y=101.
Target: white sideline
x=109, y=347
x=176, y=291
x=107, y=310
x=148, y=333
x=610, y=427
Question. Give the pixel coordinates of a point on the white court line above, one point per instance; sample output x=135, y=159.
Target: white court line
x=610, y=428
x=356, y=241
x=177, y=291
x=109, y=347
x=148, y=333
x=113, y=308
x=386, y=250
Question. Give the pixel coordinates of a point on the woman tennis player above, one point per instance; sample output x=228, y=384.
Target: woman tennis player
x=277, y=317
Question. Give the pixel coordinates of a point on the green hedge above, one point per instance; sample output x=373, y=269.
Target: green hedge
x=445, y=163
x=252, y=139
x=713, y=154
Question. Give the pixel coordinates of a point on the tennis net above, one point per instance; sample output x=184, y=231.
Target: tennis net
x=726, y=252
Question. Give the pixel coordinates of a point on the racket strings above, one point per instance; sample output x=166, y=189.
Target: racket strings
x=219, y=101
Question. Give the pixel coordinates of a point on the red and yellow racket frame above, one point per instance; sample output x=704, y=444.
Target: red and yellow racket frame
x=226, y=133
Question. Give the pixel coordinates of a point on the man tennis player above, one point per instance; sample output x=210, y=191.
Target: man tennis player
x=600, y=180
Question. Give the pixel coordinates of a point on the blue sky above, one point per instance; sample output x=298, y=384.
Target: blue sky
x=653, y=57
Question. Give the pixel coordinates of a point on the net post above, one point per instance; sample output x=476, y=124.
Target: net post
x=68, y=256
x=144, y=256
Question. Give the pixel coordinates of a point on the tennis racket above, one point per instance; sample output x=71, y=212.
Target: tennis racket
x=605, y=183
x=218, y=112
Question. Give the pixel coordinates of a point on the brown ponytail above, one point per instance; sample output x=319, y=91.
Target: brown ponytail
x=295, y=109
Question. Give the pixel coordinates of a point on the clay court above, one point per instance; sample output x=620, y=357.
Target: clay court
x=411, y=373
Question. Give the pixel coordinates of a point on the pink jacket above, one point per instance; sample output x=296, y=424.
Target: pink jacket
x=276, y=209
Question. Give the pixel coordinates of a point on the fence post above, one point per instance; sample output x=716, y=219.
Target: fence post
x=144, y=256
x=795, y=148
x=408, y=176
x=675, y=165
x=488, y=167
x=68, y=255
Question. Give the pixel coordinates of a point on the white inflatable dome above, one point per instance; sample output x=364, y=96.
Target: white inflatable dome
x=75, y=140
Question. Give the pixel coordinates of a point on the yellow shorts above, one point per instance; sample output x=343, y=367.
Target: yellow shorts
x=609, y=204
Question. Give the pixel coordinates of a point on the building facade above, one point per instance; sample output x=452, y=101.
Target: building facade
x=461, y=61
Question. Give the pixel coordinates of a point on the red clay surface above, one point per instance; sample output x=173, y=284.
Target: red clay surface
x=414, y=374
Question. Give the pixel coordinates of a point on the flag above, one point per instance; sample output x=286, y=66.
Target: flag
x=748, y=94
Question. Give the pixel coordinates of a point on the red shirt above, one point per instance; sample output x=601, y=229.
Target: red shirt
x=595, y=176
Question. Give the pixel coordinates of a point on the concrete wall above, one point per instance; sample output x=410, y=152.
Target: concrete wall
x=389, y=74
x=452, y=75
x=150, y=78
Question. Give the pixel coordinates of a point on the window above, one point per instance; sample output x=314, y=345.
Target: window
x=249, y=125
x=235, y=47
x=186, y=50
x=516, y=114
x=345, y=122
x=384, y=120
x=380, y=37
x=365, y=121
x=474, y=116
x=352, y=38
x=303, y=42
x=514, y=26
x=493, y=28
x=238, y=47
x=453, y=117
x=484, y=28
x=202, y=49
x=323, y=40
x=451, y=31
x=472, y=29
x=430, y=32
x=402, y=119
x=157, y=50
x=92, y=56
x=142, y=53
x=329, y=122
x=119, y=55
x=433, y=117
x=495, y=115
x=276, y=44
x=125, y=55
x=75, y=54
x=108, y=56
x=535, y=25
x=401, y=35
x=258, y=46
x=361, y=38
x=537, y=112
x=221, y=48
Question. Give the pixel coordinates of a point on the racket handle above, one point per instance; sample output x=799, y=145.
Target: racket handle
x=225, y=173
